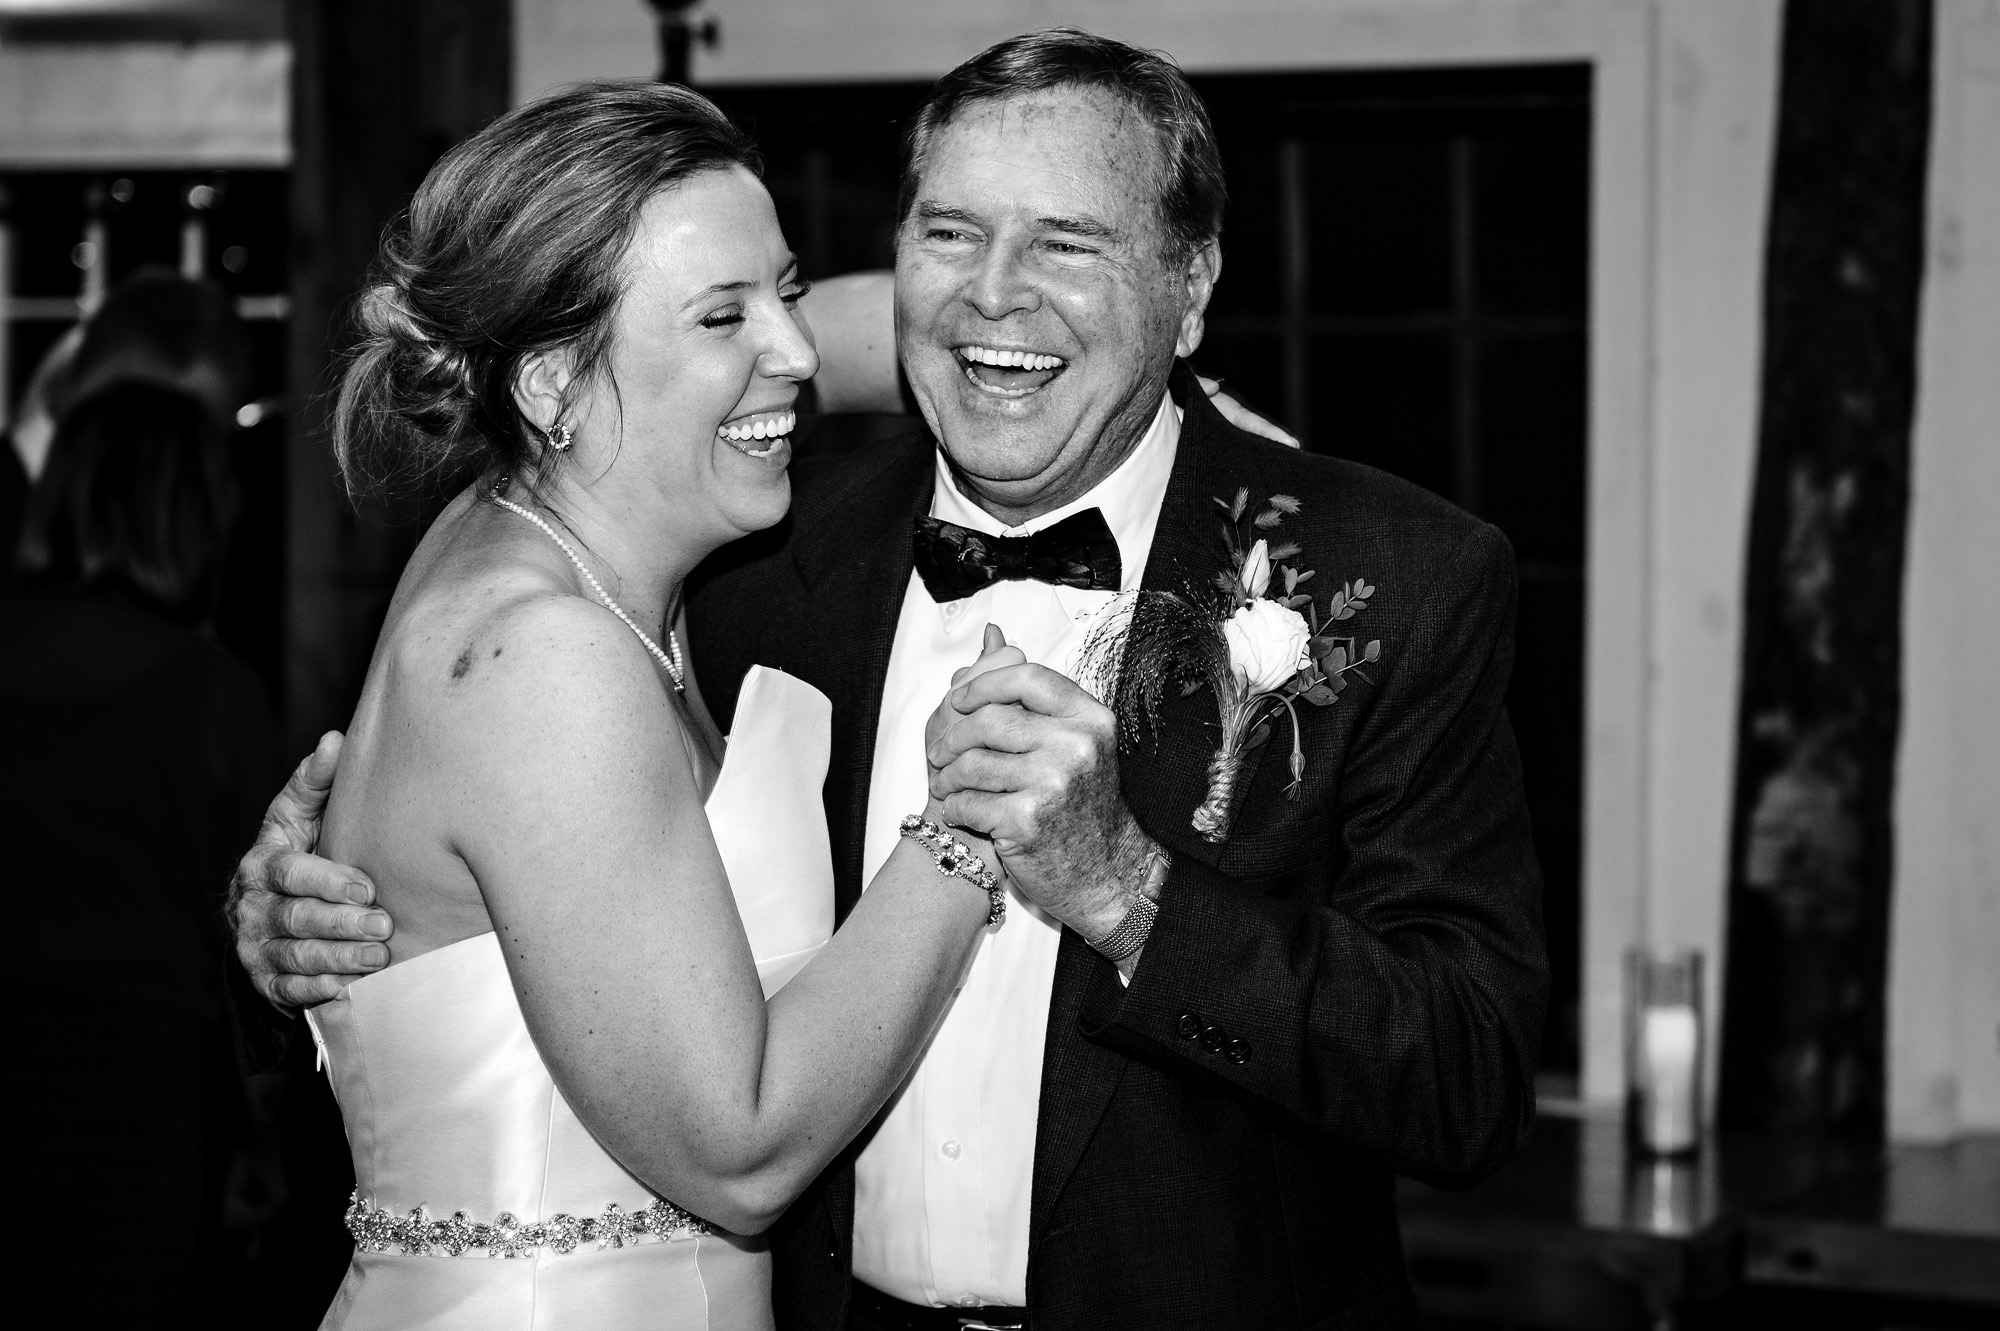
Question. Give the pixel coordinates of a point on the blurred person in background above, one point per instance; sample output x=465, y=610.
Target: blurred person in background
x=127, y=1117
x=28, y=433
x=154, y=327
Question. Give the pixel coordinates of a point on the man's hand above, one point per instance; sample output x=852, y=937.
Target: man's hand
x=1026, y=756
x=303, y=924
x=1241, y=416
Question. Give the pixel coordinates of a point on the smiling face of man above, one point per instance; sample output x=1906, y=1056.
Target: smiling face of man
x=1038, y=307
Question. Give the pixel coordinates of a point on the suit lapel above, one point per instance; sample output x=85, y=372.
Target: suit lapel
x=1166, y=779
x=853, y=556
x=1162, y=787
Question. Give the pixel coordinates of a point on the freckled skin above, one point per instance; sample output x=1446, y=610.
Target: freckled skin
x=1035, y=228
x=463, y=664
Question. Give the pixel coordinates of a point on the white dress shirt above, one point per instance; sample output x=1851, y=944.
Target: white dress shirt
x=942, y=1187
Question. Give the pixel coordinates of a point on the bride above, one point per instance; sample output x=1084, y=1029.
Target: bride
x=614, y=1040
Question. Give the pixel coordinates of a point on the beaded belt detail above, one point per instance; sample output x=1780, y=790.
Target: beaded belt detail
x=417, y=1235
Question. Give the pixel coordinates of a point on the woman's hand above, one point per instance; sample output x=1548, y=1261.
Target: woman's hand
x=1241, y=416
x=995, y=652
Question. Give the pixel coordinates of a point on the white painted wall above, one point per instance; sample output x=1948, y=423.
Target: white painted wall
x=562, y=41
x=146, y=104
x=1944, y=1010
x=1716, y=114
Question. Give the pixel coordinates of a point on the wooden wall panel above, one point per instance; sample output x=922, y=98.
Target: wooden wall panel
x=381, y=88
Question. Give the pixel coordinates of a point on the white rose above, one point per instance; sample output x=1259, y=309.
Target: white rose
x=1257, y=569
x=1267, y=643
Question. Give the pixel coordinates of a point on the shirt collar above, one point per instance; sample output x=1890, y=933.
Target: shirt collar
x=1130, y=497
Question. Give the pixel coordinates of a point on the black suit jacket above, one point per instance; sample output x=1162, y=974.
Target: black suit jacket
x=1351, y=986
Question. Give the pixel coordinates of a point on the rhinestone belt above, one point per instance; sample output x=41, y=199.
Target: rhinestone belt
x=417, y=1235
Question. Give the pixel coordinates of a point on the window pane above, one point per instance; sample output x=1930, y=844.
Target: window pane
x=831, y=163
x=1531, y=432
x=47, y=217
x=1253, y=366
x=1384, y=400
x=1534, y=211
x=1380, y=220
x=1544, y=706
x=142, y=220
x=1252, y=254
x=247, y=233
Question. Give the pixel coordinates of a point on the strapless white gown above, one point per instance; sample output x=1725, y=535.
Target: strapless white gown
x=449, y=1108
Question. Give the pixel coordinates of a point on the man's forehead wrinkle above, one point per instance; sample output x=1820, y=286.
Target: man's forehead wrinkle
x=1080, y=226
x=1076, y=158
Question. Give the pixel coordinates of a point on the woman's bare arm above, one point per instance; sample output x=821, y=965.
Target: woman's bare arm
x=582, y=822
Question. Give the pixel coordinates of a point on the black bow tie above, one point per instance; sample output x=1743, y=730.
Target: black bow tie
x=1079, y=551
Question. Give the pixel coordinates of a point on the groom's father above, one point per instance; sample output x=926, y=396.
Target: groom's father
x=1204, y=1132
x=1175, y=1092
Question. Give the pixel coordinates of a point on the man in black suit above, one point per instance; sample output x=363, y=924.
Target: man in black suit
x=1176, y=1091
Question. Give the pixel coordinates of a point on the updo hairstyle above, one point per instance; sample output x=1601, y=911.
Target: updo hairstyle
x=514, y=245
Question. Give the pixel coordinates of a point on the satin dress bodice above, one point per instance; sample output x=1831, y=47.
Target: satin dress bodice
x=449, y=1107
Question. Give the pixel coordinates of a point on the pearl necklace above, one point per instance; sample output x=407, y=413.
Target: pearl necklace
x=676, y=671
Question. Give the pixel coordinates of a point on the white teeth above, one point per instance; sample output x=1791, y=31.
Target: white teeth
x=1017, y=360
x=772, y=426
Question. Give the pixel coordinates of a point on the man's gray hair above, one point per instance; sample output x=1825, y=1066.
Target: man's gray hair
x=1190, y=189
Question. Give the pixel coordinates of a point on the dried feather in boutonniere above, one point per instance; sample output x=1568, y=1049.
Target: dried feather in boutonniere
x=1242, y=634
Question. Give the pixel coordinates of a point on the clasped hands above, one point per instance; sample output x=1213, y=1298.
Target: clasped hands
x=1028, y=758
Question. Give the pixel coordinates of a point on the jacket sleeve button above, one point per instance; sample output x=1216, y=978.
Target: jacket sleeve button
x=1238, y=1051
x=1189, y=1026
x=1213, y=1039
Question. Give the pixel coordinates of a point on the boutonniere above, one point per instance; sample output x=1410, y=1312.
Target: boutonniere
x=1251, y=635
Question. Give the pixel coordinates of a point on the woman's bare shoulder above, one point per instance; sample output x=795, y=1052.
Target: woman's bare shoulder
x=477, y=589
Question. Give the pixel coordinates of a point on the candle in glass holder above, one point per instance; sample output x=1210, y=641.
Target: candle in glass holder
x=1664, y=1050
x=1669, y=1043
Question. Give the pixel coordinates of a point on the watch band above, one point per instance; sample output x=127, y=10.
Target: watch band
x=1132, y=931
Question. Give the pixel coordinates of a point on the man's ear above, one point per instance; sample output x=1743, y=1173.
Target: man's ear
x=541, y=386
x=1203, y=268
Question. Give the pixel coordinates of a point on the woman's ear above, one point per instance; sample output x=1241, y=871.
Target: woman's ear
x=541, y=387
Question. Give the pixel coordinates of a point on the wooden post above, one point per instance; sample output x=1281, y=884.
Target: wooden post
x=1811, y=861
x=380, y=89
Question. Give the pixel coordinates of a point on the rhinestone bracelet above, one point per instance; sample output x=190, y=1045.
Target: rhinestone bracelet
x=417, y=1235
x=955, y=859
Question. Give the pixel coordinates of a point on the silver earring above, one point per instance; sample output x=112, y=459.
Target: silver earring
x=559, y=437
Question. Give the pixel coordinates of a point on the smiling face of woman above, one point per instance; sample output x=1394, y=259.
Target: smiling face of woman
x=708, y=351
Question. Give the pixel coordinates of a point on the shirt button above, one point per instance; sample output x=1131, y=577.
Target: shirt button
x=968, y=1300
x=951, y=1150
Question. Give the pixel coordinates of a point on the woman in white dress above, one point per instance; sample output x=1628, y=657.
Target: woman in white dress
x=571, y=1060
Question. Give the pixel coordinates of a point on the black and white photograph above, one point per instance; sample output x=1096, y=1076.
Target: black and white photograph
x=862, y=665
